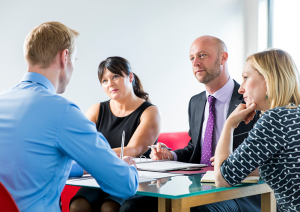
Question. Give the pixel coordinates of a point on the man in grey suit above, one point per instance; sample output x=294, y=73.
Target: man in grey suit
x=208, y=56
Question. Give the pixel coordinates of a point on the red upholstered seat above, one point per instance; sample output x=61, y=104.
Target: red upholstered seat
x=66, y=195
x=7, y=203
x=174, y=140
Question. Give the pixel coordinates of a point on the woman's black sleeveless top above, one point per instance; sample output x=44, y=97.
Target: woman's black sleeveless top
x=112, y=127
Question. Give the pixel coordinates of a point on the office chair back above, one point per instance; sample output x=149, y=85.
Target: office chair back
x=7, y=203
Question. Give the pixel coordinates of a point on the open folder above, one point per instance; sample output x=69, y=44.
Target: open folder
x=209, y=177
x=166, y=165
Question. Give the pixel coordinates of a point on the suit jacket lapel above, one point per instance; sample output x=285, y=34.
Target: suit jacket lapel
x=236, y=99
x=199, y=117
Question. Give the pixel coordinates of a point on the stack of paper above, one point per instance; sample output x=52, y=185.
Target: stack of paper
x=144, y=176
x=143, y=160
x=209, y=177
x=162, y=166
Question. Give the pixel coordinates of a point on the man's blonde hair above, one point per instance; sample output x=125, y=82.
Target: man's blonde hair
x=45, y=41
x=281, y=75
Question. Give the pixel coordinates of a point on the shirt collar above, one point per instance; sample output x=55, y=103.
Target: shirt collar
x=41, y=79
x=223, y=93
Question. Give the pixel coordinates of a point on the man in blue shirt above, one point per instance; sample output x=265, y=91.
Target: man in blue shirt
x=41, y=132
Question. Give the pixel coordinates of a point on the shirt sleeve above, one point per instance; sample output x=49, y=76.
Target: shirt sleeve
x=263, y=141
x=79, y=140
x=76, y=170
x=174, y=155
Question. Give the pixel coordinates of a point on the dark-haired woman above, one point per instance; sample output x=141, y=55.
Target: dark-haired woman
x=128, y=109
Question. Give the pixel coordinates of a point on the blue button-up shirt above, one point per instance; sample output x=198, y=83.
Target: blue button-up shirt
x=40, y=134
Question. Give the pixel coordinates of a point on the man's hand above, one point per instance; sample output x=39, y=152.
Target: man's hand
x=212, y=159
x=129, y=160
x=159, y=153
x=242, y=113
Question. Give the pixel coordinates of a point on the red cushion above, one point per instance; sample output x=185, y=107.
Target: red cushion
x=66, y=195
x=174, y=140
x=7, y=203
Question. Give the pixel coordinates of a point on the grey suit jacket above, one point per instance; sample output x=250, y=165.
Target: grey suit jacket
x=192, y=152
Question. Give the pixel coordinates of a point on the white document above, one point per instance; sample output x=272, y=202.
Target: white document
x=166, y=166
x=144, y=176
x=147, y=160
x=91, y=182
x=209, y=177
x=143, y=160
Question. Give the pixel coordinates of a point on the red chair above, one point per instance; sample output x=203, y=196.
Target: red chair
x=7, y=203
x=174, y=140
x=66, y=195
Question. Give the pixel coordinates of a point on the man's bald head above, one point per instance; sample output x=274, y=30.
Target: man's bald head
x=212, y=41
x=209, y=56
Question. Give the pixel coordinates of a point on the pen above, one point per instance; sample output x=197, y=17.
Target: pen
x=122, y=144
x=154, y=146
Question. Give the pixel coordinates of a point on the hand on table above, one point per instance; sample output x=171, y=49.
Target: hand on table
x=129, y=160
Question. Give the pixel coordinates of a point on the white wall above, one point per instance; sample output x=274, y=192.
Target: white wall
x=155, y=36
x=286, y=30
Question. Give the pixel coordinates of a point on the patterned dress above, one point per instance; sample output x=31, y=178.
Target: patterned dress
x=272, y=145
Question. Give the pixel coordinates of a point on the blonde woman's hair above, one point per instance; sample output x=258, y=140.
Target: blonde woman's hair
x=281, y=75
x=45, y=41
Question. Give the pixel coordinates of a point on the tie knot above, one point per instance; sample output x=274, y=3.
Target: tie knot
x=211, y=100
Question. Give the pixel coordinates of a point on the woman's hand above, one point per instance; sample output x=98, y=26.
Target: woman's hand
x=129, y=160
x=242, y=113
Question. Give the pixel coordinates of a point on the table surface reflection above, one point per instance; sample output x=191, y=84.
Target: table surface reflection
x=182, y=186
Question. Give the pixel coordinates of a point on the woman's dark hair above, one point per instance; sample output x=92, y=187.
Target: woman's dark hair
x=119, y=65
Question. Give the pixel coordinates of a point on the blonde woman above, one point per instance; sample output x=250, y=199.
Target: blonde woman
x=271, y=85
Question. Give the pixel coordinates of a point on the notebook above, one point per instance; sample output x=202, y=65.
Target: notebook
x=209, y=177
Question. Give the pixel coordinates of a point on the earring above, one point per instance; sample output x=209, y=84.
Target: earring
x=266, y=95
